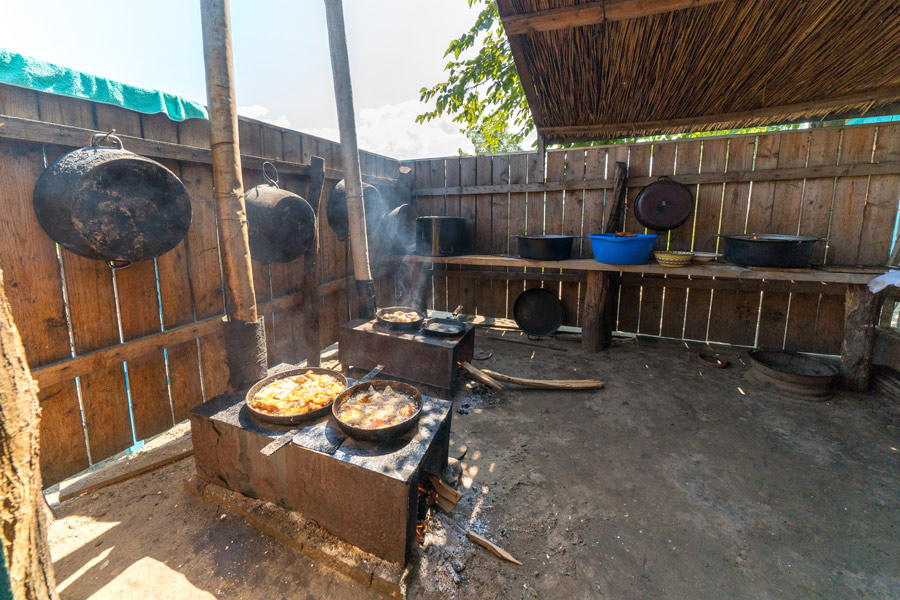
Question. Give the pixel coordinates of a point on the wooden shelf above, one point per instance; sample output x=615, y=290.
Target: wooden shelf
x=719, y=271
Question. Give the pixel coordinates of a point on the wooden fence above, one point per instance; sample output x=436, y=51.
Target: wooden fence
x=839, y=183
x=123, y=355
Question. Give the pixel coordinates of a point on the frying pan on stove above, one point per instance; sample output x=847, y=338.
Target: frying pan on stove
x=412, y=326
x=290, y=419
x=381, y=434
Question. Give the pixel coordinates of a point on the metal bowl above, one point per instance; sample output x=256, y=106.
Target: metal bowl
x=290, y=419
x=380, y=434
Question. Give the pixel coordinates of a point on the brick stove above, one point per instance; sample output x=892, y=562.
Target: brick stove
x=409, y=355
x=363, y=493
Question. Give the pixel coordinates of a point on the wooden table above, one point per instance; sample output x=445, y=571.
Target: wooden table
x=859, y=316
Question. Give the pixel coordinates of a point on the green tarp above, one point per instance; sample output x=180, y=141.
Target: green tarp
x=22, y=71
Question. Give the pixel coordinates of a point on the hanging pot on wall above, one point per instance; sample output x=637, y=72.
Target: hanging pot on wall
x=663, y=205
x=111, y=204
x=374, y=204
x=281, y=225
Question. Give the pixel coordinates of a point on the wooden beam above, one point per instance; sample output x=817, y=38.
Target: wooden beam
x=506, y=8
x=783, y=174
x=28, y=130
x=593, y=13
x=48, y=375
x=723, y=271
x=571, y=133
x=594, y=337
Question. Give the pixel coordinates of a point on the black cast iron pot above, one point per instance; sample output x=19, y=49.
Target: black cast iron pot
x=545, y=247
x=770, y=250
x=111, y=204
x=281, y=225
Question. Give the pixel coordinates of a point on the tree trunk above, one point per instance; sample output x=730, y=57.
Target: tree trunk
x=23, y=529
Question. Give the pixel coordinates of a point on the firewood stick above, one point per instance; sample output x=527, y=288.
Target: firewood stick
x=548, y=384
x=478, y=375
x=482, y=541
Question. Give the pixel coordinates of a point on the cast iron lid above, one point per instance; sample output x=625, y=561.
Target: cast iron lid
x=663, y=205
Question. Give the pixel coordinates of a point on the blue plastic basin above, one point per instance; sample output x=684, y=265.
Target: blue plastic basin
x=614, y=250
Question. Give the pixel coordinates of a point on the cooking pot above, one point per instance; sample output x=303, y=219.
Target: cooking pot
x=281, y=226
x=545, y=247
x=538, y=312
x=373, y=204
x=770, y=250
x=441, y=236
x=111, y=204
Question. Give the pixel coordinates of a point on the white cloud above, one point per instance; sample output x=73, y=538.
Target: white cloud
x=261, y=113
x=392, y=130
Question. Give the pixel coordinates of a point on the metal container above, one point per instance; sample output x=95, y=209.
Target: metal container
x=388, y=324
x=663, y=205
x=538, y=312
x=441, y=236
x=373, y=204
x=111, y=204
x=380, y=434
x=281, y=226
x=545, y=247
x=769, y=250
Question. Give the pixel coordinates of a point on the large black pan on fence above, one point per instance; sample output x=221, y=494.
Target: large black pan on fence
x=281, y=225
x=111, y=204
x=663, y=205
x=538, y=312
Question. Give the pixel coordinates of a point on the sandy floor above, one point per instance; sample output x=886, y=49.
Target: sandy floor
x=676, y=481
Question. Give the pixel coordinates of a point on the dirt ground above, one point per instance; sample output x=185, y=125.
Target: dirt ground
x=675, y=481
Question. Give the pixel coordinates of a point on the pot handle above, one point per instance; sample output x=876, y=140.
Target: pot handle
x=269, y=180
x=101, y=137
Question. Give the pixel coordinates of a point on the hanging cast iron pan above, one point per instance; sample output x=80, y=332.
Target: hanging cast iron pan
x=381, y=434
x=111, y=204
x=538, y=312
x=373, y=205
x=412, y=326
x=663, y=205
x=290, y=419
x=281, y=225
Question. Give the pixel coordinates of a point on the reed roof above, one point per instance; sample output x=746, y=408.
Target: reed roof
x=601, y=69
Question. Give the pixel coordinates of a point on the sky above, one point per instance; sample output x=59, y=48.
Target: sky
x=282, y=64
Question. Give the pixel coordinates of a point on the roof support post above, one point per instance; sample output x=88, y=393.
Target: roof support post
x=245, y=336
x=356, y=212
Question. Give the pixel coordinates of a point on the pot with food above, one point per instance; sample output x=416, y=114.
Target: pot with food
x=378, y=410
x=295, y=396
x=400, y=317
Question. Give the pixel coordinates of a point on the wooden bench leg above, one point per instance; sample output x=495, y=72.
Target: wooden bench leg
x=595, y=334
x=859, y=337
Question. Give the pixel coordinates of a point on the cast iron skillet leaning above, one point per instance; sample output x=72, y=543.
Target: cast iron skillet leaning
x=413, y=326
x=290, y=419
x=443, y=327
x=381, y=434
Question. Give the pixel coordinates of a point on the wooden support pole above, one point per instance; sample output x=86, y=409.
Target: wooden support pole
x=858, y=346
x=245, y=340
x=23, y=526
x=595, y=334
x=356, y=214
